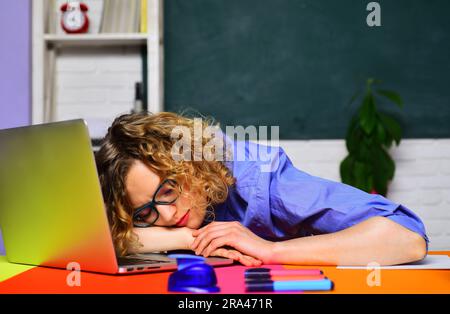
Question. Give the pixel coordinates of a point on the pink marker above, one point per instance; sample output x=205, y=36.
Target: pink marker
x=266, y=272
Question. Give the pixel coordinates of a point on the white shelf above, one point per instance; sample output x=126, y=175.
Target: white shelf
x=96, y=39
x=45, y=50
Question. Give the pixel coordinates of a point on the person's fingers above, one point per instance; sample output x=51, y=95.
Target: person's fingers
x=245, y=260
x=199, y=236
x=231, y=254
x=251, y=261
x=235, y=254
x=225, y=240
x=220, y=253
x=209, y=226
x=257, y=262
x=206, y=241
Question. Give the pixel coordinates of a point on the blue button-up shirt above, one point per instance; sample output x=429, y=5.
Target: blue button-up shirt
x=277, y=201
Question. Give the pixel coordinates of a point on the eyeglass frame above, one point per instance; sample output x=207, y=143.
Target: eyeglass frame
x=152, y=204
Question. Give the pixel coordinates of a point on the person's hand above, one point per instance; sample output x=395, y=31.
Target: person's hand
x=232, y=234
x=237, y=256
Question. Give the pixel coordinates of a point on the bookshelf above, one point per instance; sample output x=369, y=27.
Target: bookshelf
x=46, y=46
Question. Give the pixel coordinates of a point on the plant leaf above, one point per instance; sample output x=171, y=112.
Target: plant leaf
x=389, y=140
x=367, y=114
x=384, y=166
x=380, y=133
x=362, y=173
x=370, y=81
x=346, y=169
x=392, y=96
x=380, y=185
x=384, y=169
x=389, y=165
x=354, y=137
x=392, y=126
x=363, y=152
x=370, y=183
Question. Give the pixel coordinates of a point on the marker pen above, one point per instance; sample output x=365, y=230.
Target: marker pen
x=283, y=278
x=297, y=285
x=281, y=272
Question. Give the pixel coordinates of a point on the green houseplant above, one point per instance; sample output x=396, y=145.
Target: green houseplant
x=368, y=165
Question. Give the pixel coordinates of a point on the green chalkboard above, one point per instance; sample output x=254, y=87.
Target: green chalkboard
x=296, y=63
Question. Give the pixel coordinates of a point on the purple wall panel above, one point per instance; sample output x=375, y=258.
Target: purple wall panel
x=15, y=66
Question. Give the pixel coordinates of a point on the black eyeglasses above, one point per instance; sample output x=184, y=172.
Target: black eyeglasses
x=167, y=193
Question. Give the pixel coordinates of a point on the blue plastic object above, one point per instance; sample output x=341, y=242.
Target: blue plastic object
x=193, y=275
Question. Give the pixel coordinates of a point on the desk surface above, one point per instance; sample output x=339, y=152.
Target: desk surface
x=230, y=280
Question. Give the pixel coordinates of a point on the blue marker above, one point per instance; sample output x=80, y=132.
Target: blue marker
x=295, y=285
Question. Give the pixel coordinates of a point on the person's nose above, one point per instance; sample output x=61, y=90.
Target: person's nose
x=167, y=214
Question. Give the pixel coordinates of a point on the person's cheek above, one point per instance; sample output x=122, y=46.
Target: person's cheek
x=194, y=221
x=183, y=203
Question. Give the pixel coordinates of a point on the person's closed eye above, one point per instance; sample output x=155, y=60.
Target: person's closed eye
x=146, y=215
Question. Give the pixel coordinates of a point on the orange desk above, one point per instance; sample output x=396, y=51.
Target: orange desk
x=230, y=278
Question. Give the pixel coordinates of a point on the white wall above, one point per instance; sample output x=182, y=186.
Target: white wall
x=421, y=181
x=96, y=84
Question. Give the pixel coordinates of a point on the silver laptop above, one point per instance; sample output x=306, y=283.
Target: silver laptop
x=51, y=206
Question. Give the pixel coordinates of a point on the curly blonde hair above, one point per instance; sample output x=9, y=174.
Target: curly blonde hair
x=147, y=137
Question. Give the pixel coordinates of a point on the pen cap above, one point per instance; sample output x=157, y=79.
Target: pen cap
x=261, y=286
x=261, y=278
x=252, y=277
x=295, y=285
x=193, y=275
x=257, y=272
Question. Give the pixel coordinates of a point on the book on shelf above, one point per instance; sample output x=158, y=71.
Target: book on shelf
x=121, y=16
x=51, y=13
x=143, y=21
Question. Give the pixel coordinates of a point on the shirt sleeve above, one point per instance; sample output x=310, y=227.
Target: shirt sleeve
x=305, y=204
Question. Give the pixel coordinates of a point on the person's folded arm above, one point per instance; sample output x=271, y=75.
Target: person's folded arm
x=376, y=239
x=159, y=239
x=349, y=226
